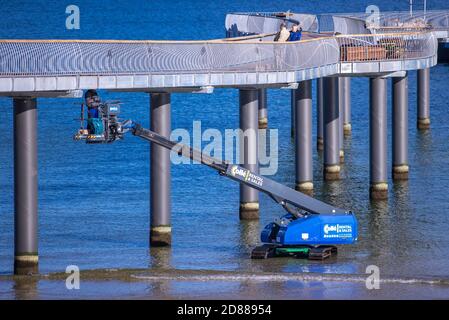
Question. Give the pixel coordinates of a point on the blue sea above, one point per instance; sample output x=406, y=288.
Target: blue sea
x=94, y=199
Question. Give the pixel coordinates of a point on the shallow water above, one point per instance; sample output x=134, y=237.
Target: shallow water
x=94, y=200
x=156, y=283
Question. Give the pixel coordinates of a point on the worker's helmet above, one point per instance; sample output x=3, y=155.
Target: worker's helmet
x=90, y=93
x=91, y=97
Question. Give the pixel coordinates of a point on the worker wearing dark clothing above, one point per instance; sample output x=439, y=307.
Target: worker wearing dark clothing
x=92, y=100
x=295, y=34
x=94, y=123
x=92, y=113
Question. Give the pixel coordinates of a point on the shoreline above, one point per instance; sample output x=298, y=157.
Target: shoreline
x=213, y=284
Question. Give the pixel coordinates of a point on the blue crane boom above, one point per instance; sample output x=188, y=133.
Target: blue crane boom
x=278, y=192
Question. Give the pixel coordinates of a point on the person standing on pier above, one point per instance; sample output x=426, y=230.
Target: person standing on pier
x=283, y=34
x=279, y=50
x=295, y=34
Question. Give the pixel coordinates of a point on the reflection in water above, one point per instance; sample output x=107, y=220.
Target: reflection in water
x=424, y=142
x=402, y=221
x=249, y=238
x=25, y=288
x=332, y=192
x=160, y=258
x=401, y=197
x=249, y=234
x=347, y=143
x=378, y=228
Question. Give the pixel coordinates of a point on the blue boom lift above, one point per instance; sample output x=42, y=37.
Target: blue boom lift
x=310, y=229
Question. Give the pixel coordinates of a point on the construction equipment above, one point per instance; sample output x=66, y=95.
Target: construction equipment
x=104, y=129
x=310, y=229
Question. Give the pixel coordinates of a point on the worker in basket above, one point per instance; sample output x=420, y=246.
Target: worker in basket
x=94, y=121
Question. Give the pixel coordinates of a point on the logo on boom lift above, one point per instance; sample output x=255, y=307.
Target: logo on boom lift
x=337, y=230
x=236, y=171
x=246, y=175
x=330, y=228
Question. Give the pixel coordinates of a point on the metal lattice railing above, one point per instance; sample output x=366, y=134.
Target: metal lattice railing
x=346, y=23
x=242, y=24
x=66, y=57
x=435, y=19
x=108, y=57
x=381, y=47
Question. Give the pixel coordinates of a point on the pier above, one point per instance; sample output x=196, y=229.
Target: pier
x=334, y=49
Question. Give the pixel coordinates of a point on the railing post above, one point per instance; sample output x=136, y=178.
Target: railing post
x=249, y=197
x=303, y=137
x=25, y=186
x=378, y=138
x=160, y=175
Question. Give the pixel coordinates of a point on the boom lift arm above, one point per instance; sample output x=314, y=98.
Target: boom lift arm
x=311, y=228
x=283, y=195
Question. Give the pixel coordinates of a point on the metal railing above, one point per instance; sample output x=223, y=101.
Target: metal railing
x=383, y=47
x=113, y=57
x=346, y=23
x=243, y=24
x=110, y=57
x=435, y=19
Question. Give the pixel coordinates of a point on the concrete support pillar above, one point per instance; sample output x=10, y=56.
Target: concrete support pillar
x=160, y=175
x=423, y=99
x=263, y=111
x=347, y=127
x=292, y=112
x=303, y=137
x=341, y=111
x=330, y=129
x=319, y=113
x=25, y=186
x=378, y=138
x=249, y=197
x=400, y=128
